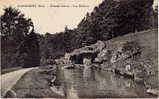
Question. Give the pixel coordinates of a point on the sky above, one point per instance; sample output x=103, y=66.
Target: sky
x=50, y=18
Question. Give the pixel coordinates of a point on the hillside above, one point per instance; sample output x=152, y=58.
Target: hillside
x=148, y=61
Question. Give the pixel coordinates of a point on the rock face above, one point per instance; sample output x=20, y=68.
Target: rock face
x=126, y=50
x=79, y=56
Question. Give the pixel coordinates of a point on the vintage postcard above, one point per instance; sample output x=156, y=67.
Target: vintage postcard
x=73, y=49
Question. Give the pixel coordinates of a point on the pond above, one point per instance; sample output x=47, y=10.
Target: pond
x=89, y=83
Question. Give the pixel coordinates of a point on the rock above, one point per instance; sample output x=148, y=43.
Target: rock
x=68, y=67
x=99, y=45
x=78, y=55
x=87, y=61
x=139, y=75
x=138, y=79
x=122, y=72
x=103, y=53
x=53, y=80
x=153, y=91
x=96, y=66
x=59, y=91
x=127, y=68
x=60, y=61
x=67, y=56
x=146, y=85
x=130, y=74
x=97, y=60
x=103, y=56
x=10, y=94
x=151, y=82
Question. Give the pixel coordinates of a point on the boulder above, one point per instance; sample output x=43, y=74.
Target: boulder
x=127, y=67
x=153, y=91
x=103, y=56
x=10, y=94
x=87, y=61
x=68, y=67
x=98, y=60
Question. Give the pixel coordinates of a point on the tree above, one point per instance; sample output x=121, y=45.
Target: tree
x=156, y=16
x=115, y=18
x=14, y=25
x=134, y=15
x=19, y=40
x=67, y=39
x=32, y=48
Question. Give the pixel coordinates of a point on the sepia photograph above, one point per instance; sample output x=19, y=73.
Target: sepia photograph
x=75, y=49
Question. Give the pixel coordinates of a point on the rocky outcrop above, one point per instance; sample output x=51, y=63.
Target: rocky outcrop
x=89, y=52
x=103, y=56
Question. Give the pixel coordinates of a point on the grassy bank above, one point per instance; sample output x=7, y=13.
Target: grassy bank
x=35, y=84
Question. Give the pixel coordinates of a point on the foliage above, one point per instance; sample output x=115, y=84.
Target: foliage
x=14, y=25
x=19, y=42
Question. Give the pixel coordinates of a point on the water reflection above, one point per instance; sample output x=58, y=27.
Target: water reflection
x=90, y=83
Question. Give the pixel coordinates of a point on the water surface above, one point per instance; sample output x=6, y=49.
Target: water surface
x=88, y=83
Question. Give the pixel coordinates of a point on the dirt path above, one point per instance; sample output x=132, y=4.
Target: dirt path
x=8, y=80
